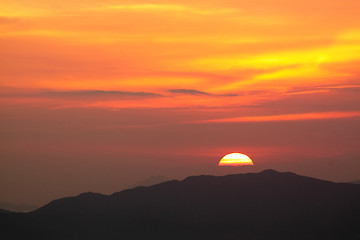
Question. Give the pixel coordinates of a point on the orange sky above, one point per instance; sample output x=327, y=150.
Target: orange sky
x=265, y=48
x=157, y=70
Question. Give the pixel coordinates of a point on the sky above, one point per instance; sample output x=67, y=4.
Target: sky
x=97, y=95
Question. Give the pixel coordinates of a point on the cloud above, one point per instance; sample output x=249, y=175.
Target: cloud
x=352, y=88
x=229, y=95
x=82, y=93
x=288, y=117
x=148, y=7
x=200, y=93
x=324, y=89
x=188, y=92
x=100, y=93
x=8, y=20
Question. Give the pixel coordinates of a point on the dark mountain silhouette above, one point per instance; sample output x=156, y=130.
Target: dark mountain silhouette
x=18, y=207
x=4, y=211
x=150, y=181
x=265, y=205
x=355, y=182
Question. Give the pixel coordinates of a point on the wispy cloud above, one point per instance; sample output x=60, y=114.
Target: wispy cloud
x=194, y=92
x=187, y=91
x=8, y=20
x=323, y=89
x=353, y=88
x=80, y=93
x=100, y=93
x=168, y=8
x=287, y=117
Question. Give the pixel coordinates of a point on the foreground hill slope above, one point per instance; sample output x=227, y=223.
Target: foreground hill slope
x=265, y=205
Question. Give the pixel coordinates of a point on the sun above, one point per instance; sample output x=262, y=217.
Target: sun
x=235, y=159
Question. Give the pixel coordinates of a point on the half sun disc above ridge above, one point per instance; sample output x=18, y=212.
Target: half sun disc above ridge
x=235, y=159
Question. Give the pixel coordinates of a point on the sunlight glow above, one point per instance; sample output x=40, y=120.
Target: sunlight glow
x=235, y=159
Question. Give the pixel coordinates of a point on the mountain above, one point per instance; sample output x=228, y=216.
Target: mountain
x=150, y=181
x=18, y=207
x=4, y=211
x=355, y=182
x=253, y=206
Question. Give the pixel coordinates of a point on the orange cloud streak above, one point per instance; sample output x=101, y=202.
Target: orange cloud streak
x=288, y=117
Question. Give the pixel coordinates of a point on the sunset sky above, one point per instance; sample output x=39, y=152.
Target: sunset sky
x=97, y=95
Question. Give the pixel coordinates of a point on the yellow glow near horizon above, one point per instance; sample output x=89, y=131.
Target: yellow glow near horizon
x=235, y=159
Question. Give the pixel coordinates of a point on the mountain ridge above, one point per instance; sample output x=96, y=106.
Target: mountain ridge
x=249, y=206
x=191, y=179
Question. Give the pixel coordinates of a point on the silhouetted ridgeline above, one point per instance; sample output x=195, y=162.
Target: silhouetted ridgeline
x=150, y=181
x=4, y=211
x=18, y=207
x=265, y=205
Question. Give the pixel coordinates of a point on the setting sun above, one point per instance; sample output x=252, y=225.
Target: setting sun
x=235, y=159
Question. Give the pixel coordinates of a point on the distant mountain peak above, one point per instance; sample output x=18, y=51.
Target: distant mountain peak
x=274, y=172
x=269, y=171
